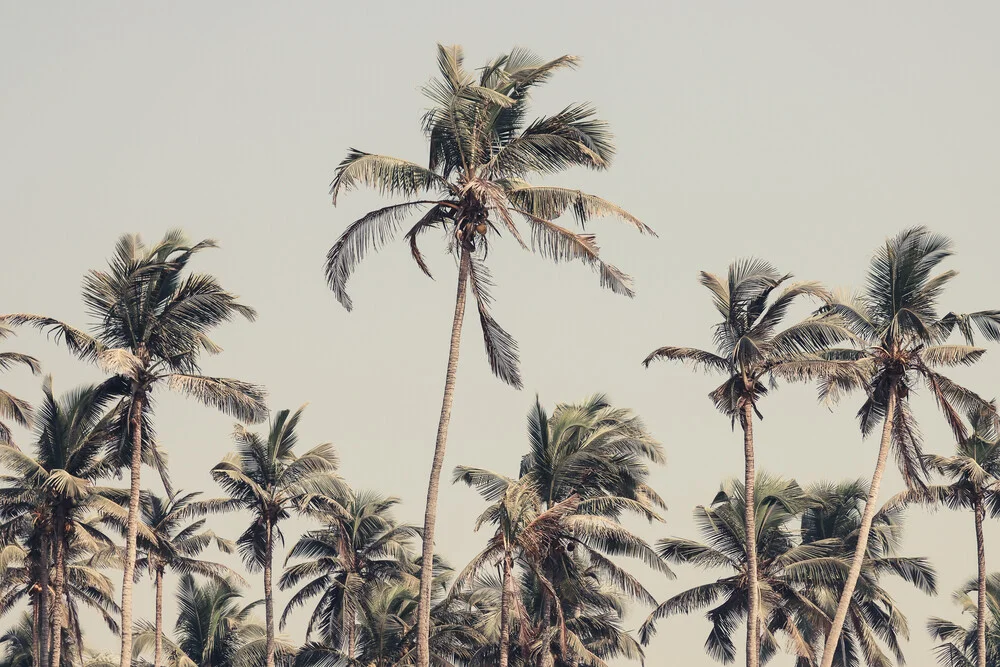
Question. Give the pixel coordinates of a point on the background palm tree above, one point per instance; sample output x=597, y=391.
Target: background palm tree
x=12, y=407
x=482, y=150
x=153, y=323
x=345, y=562
x=750, y=350
x=267, y=479
x=901, y=342
x=974, y=476
x=53, y=492
x=960, y=644
x=180, y=537
x=833, y=520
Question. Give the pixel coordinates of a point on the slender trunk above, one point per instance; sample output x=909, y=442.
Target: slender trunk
x=981, y=604
x=430, y=511
x=862, y=547
x=128, y=569
x=58, y=590
x=505, y=602
x=351, y=639
x=43, y=607
x=750, y=527
x=158, y=651
x=36, y=644
x=268, y=594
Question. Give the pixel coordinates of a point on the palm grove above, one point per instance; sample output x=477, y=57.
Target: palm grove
x=802, y=568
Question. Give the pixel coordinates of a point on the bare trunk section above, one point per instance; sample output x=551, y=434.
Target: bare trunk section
x=269, y=593
x=862, y=547
x=981, y=603
x=430, y=511
x=750, y=526
x=43, y=607
x=158, y=651
x=36, y=645
x=128, y=569
x=505, y=602
x=58, y=591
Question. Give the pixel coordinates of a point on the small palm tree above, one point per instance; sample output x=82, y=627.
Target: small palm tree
x=960, y=644
x=974, y=473
x=901, y=343
x=12, y=407
x=832, y=521
x=215, y=628
x=346, y=560
x=750, y=351
x=474, y=189
x=152, y=324
x=267, y=479
x=180, y=537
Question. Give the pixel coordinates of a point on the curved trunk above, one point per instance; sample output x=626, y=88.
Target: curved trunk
x=158, y=651
x=829, y=650
x=430, y=511
x=58, y=592
x=268, y=594
x=505, y=602
x=981, y=603
x=128, y=569
x=43, y=605
x=750, y=527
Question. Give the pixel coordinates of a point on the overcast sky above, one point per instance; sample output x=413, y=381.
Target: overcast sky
x=801, y=133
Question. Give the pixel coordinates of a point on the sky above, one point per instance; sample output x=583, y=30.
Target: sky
x=803, y=133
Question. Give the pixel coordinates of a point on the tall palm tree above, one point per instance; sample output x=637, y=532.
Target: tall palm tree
x=901, y=342
x=960, y=644
x=54, y=489
x=345, y=561
x=152, y=321
x=12, y=407
x=974, y=475
x=180, y=538
x=785, y=565
x=215, y=628
x=832, y=520
x=751, y=350
x=266, y=478
x=474, y=188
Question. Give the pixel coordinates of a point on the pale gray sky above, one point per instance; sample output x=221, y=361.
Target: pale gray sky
x=795, y=131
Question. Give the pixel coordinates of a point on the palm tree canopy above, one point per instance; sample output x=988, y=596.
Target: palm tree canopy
x=483, y=148
x=958, y=642
x=12, y=407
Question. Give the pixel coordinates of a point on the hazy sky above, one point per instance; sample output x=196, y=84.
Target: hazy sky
x=794, y=131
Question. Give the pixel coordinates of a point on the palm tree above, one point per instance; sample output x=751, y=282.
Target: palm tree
x=267, y=479
x=750, y=350
x=474, y=188
x=215, y=628
x=832, y=520
x=180, y=538
x=974, y=473
x=901, y=342
x=344, y=563
x=12, y=407
x=54, y=490
x=785, y=565
x=559, y=521
x=152, y=323
x=18, y=645
x=960, y=647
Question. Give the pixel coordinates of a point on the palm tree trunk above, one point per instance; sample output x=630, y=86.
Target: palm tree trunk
x=43, y=607
x=430, y=510
x=862, y=547
x=981, y=603
x=505, y=601
x=58, y=589
x=352, y=638
x=36, y=644
x=750, y=527
x=268, y=593
x=158, y=652
x=128, y=569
